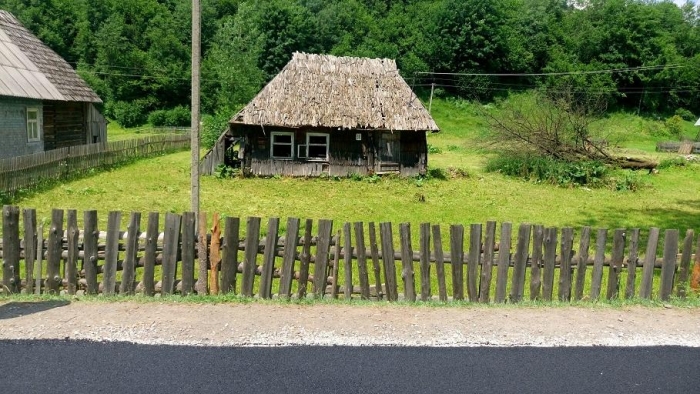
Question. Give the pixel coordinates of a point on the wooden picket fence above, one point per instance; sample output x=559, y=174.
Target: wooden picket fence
x=24, y=172
x=356, y=261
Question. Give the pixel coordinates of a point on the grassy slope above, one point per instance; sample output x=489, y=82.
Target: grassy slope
x=162, y=184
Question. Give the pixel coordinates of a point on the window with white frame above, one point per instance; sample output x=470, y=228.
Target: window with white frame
x=317, y=146
x=281, y=145
x=33, y=134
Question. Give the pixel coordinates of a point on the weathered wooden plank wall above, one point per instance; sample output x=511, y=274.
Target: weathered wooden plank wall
x=542, y=265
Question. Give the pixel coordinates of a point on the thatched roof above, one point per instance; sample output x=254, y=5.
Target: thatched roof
x=30, y=69
x=338, y=92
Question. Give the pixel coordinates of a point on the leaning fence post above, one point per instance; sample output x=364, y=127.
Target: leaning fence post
x=55, y=248
x=668, y=268
x=10, y=249
x=685, y=264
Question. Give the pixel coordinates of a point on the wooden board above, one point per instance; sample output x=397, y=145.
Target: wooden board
x=252, y=239
x=305, y=259
x=550, y=256
x=10, y=249
x=668, y=269
x=567, y=242
x=425, y=289
x=387, y=240
x=376, y=265
x=582, y=262
x=615, y=267
x=457, y=257
x=130, y=255
x=487, y=267
x=503, y=262
x=409, y=288
x=149, y=254
x=55, y=248
x=290, y=253
x=269, y=254
x=649, y=262
x=201, y=286
x=537, y=262
x=325, y=229
x=598, y=261
x=473, y=262
x=187, y=251
x=109, y=270
x=686, y=257
x=30, y=247
x=439, y=263
x=632, y=260
x=520, y=262
x=347, y=260
x=171, y=242
x=229, y=262
x=71, y=267
x=90, y=251
x=362, y=260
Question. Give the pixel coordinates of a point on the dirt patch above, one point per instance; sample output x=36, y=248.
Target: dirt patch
x=258, y=324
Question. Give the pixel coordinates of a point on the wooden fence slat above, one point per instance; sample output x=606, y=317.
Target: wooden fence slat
x=229, y=263
x=55, y=249
x=582, y=262
x=268, y=267
x=201, y=286
x=409, y=288
x=171, y=242
x=149, y=255
x=439, y=263
x=30, y=247
x=374, y=250
x=550, y=256
x=130, y=255
x=632, y=261
x=387, y=240
x=290, y=253
x=305, y=259
x=10, y=249
x=71, y=267
x=347, y=259
x=503, y=262
x=189, y=237
x=325, y=229
x=537, y=262
x=686, y=256
x=487, y=266
x=334, y=267
x=457, y=256
x=567, y=244
x=215, y=255
x=473, y=262
x=362, y=260
x=252, y=239
x=39, y=260
x=649, y=262
x=425, y=290
x=598, y=261
x=520, y=262
x=615, y=267
x=109, y=271
x=668, y=269
x=90, y=245
x=695, y=276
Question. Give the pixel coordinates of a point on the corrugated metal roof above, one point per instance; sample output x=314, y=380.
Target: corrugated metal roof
x=30, y=69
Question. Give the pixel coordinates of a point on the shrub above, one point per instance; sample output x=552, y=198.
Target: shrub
x=434, y=149
x=212, y=127
x=540, y=169
x=157, y=118
x=674, y=125
x=674, y=162
x=128, y=114
x=685, y=114
x=179, y=117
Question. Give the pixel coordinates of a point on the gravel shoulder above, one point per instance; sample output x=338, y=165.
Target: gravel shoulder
x=260, y=324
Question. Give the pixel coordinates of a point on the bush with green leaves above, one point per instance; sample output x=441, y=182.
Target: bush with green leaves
x=157, y=118
x=674, y=125
x=128, y=114
x=547, y=170
x=685, y=114
x=176, y=117
x=212, y=128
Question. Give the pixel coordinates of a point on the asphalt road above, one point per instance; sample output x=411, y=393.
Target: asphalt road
x=89, y=367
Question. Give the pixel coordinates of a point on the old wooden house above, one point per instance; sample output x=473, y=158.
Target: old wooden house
x=332, y=115
x=44, y=104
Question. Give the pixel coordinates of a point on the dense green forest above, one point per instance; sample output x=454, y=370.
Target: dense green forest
x=136, y=53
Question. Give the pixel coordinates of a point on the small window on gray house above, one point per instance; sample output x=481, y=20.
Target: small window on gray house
x=282, y=145
x=317, y=146
x=33, y=133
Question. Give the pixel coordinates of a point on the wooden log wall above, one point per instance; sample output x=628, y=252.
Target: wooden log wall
x=349, y=260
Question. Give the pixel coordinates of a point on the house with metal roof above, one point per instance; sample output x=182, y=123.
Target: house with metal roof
x=44, y=104
x=329, y=115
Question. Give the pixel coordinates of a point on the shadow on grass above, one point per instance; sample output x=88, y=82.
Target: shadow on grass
x=12, y=310
x=682, y=219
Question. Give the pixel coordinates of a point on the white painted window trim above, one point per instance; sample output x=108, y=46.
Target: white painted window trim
x=272, y=145
x=35, y=122
x=309, y=144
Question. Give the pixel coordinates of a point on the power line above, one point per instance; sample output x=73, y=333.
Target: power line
x=608, y=71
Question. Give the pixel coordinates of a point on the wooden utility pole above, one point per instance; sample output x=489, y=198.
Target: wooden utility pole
x=196, y=55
